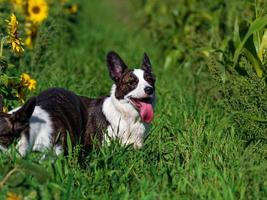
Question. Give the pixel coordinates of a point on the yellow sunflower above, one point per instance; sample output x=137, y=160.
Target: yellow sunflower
x=37, y=10
x=13, y=39
x=32, y=85
x=24, y=79
x=27, y=81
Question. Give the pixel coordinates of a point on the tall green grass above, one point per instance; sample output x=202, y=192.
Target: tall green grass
x=193, y=151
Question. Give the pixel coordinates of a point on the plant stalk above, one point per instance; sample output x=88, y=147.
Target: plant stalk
x=2, y=46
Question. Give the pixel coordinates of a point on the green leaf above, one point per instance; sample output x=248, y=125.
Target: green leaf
x=257, y=35
x=236, y=37
x=69, y=145
x=171, y=58
x=4, y=79
x=16, y=178
x=34, y=169
x=260, y=119
x=255, y=62
x=3, y=64
x=59, y=169
x=32, y=195
x=256, y=25
x=263, y=45
x=69, y=186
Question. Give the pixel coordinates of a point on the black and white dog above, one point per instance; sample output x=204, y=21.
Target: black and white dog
x=44, y=121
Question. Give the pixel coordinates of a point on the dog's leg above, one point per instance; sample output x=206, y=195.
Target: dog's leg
x=23, y=145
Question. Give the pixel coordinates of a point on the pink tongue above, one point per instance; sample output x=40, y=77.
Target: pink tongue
x=146, y=112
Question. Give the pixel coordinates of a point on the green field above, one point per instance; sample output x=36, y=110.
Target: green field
x=194, y=149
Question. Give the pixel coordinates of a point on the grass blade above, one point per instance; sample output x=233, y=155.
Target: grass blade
x=263, y=45
x=256, y=25
x=254, y=61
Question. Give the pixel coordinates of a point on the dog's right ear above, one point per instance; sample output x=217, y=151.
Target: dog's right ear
x=116, y=66
x=24, y=114
x=146, y=65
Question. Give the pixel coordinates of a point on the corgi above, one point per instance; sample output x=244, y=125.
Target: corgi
x=44, y=121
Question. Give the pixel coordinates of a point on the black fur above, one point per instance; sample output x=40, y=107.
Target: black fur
x=78, y=116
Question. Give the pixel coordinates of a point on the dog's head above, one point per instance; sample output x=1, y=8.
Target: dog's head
x=134, y=86
x=13, y=124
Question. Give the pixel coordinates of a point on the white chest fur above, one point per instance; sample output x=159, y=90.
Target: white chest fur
x=125, y=122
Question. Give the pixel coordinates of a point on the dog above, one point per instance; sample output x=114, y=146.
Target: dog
x=44, y=122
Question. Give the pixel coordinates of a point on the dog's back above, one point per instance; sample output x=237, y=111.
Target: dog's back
x=58, y=112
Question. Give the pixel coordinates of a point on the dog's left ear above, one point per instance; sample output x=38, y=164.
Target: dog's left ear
x=146, y=65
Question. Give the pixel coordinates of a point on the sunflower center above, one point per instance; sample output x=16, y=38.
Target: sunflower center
x=36, y=9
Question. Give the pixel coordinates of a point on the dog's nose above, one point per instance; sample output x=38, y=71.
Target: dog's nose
x=149, y=90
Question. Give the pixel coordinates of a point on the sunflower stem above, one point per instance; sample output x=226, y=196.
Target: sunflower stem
x=2, y=46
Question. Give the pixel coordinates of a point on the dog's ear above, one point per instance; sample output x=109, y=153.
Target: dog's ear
x=116, y=66
x=24, y=114
x=146, y=65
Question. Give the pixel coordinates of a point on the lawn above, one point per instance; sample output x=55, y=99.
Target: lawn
x=193, y=151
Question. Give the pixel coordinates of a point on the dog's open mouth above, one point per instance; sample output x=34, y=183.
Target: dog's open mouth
x=144, y=106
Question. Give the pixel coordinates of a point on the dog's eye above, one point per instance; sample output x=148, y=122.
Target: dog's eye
x=131, y=82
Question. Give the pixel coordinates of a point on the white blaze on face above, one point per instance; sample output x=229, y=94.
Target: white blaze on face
x=139, y=91
x=145, y=109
